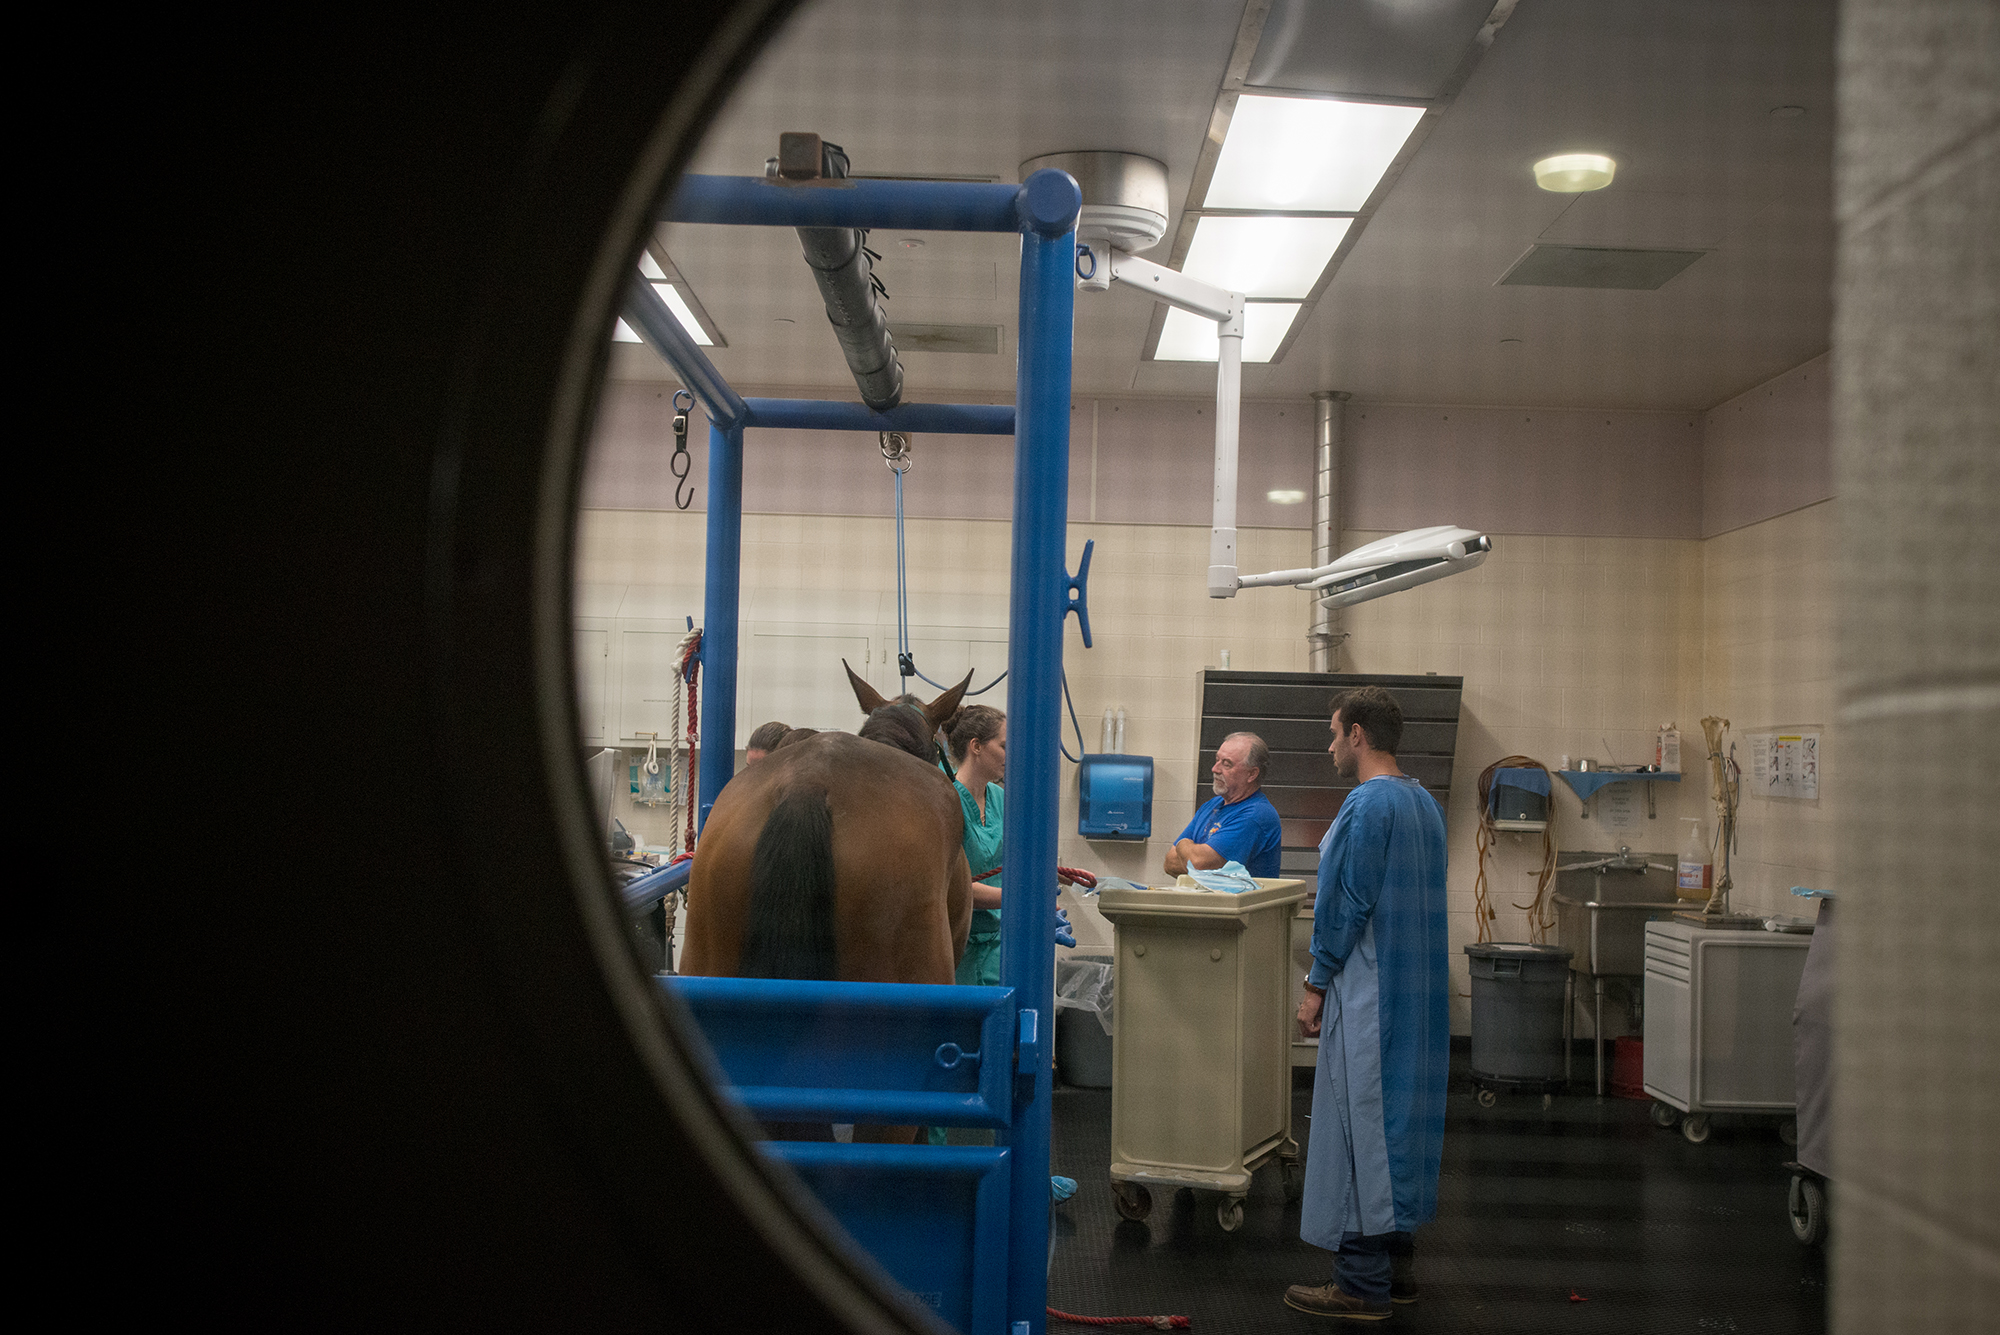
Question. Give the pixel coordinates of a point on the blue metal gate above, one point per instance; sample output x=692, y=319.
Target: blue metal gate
x=965, y=1229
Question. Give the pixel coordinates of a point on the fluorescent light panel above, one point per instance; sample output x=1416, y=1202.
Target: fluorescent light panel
x=1264, y=257
x=1299, y=153
x=678, y=305
x=622, y=333
x=1187, y=337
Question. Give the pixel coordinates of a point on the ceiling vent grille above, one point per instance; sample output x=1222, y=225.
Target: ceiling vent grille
x=982, y=338
x=1597, y=266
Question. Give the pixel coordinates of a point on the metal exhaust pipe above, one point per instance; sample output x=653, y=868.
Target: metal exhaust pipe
x=1324, y=636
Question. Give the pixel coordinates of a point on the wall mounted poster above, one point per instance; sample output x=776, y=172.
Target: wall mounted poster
x=1784, y=764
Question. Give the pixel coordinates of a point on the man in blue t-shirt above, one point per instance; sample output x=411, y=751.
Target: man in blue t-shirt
x=1238, y=824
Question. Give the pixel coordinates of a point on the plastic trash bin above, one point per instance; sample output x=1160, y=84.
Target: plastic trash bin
x=1518, y=995
x=1084, y=992
x=1202, y=1094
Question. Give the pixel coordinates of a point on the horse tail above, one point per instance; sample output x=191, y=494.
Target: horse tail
x=790, y=933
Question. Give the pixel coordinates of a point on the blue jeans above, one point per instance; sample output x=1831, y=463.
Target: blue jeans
x=1363, y=1264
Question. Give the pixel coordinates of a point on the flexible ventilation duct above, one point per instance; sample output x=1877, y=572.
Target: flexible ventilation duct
x=847, y=284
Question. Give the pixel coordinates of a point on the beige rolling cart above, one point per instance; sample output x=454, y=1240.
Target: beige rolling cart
x=1201, y=1088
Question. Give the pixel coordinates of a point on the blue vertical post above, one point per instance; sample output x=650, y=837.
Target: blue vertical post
x=1048, y=205
x=719, y=611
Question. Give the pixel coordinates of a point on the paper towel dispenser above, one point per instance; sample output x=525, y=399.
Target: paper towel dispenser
x=1115, y=797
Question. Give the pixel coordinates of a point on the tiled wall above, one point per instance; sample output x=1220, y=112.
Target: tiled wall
x=1152, y=625
x=1577, y=646
x=1768, y=617
x=1569, y=645
x=1583, y=647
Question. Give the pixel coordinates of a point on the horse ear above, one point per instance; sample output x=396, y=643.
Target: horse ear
x=940, y=710
x=869, y=698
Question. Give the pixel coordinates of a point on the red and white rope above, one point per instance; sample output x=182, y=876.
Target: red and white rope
x=1156, y=1322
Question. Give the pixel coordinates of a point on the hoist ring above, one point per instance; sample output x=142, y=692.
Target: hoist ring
x=680, y=407
x=1081, y=251
x=896, y=451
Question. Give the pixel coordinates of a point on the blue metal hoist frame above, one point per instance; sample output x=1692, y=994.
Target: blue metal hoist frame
x=964, y=1228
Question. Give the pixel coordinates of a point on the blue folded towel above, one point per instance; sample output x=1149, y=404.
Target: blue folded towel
x=1231, y=878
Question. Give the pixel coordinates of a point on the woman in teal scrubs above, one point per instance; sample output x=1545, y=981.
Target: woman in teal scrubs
x=978, y=738
x=977, y=735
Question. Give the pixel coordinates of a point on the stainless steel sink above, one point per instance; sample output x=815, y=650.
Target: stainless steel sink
x=1601, y=915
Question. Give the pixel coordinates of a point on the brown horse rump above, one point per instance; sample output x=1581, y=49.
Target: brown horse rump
x=857, y=845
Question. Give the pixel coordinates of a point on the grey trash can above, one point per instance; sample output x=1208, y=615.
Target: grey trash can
x=1083, y=1020
x=1517, y=1016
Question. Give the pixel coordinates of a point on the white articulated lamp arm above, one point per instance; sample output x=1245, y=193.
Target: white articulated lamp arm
x=1226, y=309
x=1402, y=562
x=1176, y=288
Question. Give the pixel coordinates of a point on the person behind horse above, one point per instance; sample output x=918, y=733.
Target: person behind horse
x=764, y=741
x=978, y=738
x=1238, y=824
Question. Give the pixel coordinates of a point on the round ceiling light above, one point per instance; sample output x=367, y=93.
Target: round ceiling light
x=1574, y=173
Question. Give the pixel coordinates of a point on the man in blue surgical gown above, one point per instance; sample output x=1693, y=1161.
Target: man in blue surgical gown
x=1378, y=998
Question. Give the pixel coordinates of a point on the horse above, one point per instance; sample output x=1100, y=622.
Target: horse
x=837, y=856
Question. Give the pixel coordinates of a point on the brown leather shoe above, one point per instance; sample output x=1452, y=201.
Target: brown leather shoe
x=1332, y=1300
x=1403, y=1279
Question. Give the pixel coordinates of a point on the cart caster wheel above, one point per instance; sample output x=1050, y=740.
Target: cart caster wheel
x=1788, y=1131
x=1229, y=1213
x=1807, y=1204
x=1695, y=1128
x=1134, y=1201
x=1665, y=1115
x=1295, y=1181
x=1548, y=1102
x=1487, y=1098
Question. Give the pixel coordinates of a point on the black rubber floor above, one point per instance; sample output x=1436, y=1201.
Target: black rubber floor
x=1588, y=1198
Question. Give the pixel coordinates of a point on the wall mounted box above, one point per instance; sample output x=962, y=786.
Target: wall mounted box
x=1519, y=794
x=1115, y=797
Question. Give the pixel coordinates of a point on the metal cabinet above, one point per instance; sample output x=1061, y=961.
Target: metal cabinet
x=1719, y=1021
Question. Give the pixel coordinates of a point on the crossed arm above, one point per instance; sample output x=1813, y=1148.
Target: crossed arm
x=1186, y=853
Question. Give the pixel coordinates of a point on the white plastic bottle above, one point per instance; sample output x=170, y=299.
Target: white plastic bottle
x=1118, y=732
x=1695, y=876
x=1105, y=744
x=1667, y=753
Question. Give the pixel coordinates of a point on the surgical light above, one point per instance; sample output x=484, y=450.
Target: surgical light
x=1186, y=337
x=1264, y=257
x=1307, y=154
x=1574, y=173
x=682, y=312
